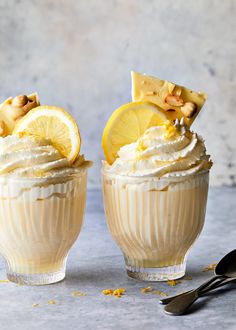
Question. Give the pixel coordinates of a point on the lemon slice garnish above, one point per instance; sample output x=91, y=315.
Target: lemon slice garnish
x=127, y=124
x=53, y=124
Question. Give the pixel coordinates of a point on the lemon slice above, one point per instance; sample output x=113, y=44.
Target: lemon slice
x=127, y=124
x=54, y=124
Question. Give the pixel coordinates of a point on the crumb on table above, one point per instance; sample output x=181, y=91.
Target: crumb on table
x=187, y=278
x=149, y=289
x=117, y=292
x=146, y=290
x=209, y=267
x=159, y=293
x=78, y=294
x=173, y=282
x=35, y=305
x=107, y=292
x=52, y=302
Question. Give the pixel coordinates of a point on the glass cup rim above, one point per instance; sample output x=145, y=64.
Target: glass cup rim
x=106, y=173
x=56, y=179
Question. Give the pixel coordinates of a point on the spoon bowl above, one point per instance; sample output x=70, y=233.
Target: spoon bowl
x=227, y=265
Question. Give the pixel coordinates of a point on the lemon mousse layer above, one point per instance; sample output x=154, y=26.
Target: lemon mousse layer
x=43, y=179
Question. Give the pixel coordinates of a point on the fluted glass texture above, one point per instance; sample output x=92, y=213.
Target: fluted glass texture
x=38, y=225
x=155, y=221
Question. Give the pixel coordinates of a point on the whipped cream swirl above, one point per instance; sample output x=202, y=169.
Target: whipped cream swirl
x=25, y=157
x=165, y=150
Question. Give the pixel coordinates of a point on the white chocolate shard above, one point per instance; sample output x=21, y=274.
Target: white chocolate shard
x=12, y=109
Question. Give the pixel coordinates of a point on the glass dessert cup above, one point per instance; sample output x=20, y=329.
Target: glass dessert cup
x=155, y=221
x=39, y=222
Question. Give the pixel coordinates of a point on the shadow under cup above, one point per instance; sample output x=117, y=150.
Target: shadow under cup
x=39, y=222
x=155, y=221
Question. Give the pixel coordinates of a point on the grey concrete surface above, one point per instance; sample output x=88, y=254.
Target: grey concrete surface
x=95, y=263
x=78, y=54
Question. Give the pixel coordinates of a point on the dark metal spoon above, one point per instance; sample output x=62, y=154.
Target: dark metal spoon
x=215, y=285
x=205, y=287
x=226, y=269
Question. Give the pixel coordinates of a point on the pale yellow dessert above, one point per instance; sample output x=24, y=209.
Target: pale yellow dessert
x=155, y=200
x=155, y=185
x=38, y=226
x=43, y=182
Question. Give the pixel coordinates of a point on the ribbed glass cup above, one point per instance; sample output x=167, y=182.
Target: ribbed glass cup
x=39, y=222
x=155, y=221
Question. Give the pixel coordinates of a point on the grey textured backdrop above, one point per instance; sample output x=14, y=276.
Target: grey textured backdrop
x=78, y=55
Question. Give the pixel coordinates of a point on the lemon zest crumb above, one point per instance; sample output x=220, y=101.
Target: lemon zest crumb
x=107, y=292
x=141, y=146
x=52, y=302
x=39, y=173
x=117, y=292
x=78, y=294
x=171, y=130
x=35, y=305
x=149, y=289
x=173, y=282
x=146, y=290
x=159, y=293
x=209, y=267
x=4, y=281
x=187, y=278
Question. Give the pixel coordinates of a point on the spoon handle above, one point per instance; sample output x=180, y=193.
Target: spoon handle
x=219, y=284
x=166, y=301
x=214, y=285
x=181, y=304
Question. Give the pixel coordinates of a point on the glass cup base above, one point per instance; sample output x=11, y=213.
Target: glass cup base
x=157, y=274
x=36, y=279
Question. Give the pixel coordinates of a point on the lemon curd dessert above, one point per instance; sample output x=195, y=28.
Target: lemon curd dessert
x=155, y=177
x=43, y=181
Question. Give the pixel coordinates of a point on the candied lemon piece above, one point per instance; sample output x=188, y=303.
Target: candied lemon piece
x=127, y=124
x=53, y=124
